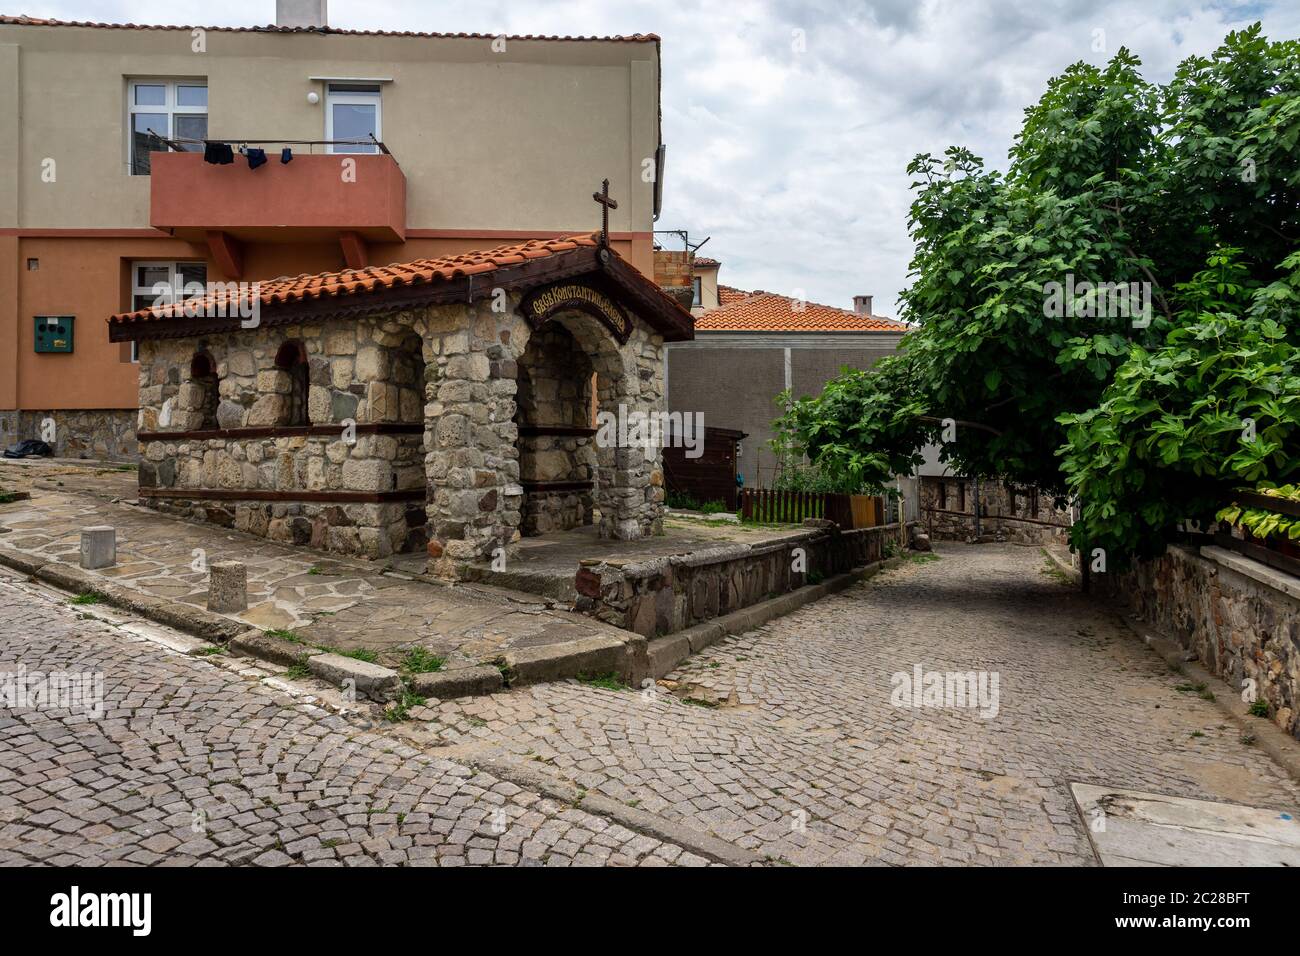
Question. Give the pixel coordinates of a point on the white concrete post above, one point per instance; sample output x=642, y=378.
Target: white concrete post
x=98, y=547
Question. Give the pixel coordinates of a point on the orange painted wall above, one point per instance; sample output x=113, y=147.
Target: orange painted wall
x=88, y=276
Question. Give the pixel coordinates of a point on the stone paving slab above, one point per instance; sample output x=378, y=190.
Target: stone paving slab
x=342, y=604
x=1133, y=828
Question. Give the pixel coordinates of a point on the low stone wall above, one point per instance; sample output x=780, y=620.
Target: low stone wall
x=106, y=434
x=669, y=594
x=1241, y=618
x=1019, y=516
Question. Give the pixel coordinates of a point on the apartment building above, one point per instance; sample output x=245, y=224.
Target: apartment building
x=346, y=149
x=750, y=346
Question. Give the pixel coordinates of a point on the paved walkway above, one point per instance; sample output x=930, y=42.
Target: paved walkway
x=790, y=745
x=206, y=762
x=324, y=600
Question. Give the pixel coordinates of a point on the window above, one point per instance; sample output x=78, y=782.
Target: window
x=699, y=295
x=173, y=109
x=158, y=283
x=352, y=112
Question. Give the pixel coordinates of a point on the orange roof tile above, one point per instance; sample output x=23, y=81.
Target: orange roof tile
x=272, y=28
x=742, y=311
x=704, y=262
x=303, y=288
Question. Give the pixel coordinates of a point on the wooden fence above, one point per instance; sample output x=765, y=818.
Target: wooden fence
x=767, y=506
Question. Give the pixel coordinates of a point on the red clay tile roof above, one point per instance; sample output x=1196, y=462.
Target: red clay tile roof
x=348, y=281
x=272, y=28
x=768, y=312
x=727, y=294
x=704, y=262
x=352, y=292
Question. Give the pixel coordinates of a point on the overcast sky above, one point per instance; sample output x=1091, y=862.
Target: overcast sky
x=790, y=148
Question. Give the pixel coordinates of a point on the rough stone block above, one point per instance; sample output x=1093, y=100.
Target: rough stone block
x=98, y=547
x=227, y=587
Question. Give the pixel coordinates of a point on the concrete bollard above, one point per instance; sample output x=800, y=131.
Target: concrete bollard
x=227, y=587
x=98, y=547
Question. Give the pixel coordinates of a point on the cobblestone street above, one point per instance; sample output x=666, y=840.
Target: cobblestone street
x=782, y=741
x=785, y=741
x=201, y=762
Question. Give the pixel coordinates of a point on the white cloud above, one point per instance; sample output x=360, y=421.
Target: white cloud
x=794, y=162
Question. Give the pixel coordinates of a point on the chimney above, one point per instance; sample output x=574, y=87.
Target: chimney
x=862, y=304
x=301, y=13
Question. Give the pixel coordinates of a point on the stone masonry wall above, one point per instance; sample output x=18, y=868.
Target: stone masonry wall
x=1238, y=625
x=472, y=453
x=368, y=371
x=669, y=594
x=105, y=434
x=947, y=512
x=449, y=370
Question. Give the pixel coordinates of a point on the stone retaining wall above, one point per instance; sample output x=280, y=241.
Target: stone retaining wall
x=669, y=594
x=1241, y=618
x=105, y=434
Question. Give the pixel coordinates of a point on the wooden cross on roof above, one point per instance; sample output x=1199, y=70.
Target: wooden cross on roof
x=606, y=204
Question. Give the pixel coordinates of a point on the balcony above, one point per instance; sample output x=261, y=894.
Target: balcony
x=307, y=199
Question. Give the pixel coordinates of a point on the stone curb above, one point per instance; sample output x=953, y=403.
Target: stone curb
x=375, y=682
x=592, y=655
x=277, y=650
x=521, y=774
x=68, y=577
x=1064, y=566
x=461, y=682
x=1269, y=737
x=665, y=653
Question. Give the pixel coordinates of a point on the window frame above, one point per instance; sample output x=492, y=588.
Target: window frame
x=353, y=98
x=170, y=107
x=697, y=295
x=174, y=281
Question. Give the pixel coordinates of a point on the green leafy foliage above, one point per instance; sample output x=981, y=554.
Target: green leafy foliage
x=1191, y=188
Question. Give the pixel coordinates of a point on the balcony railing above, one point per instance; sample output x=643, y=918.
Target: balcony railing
x=313, y=196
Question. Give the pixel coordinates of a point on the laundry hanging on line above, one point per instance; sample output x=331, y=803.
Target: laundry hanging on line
x=219, y=154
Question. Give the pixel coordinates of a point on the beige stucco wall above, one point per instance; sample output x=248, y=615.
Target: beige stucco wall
x=512, y=140
x=708, y=276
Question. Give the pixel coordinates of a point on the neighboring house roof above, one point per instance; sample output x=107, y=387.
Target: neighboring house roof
x=704, y=262
x=411, y=284
x=272, y=28
x=742, y=311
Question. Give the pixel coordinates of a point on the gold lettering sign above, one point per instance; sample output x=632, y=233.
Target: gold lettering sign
x=538, y=307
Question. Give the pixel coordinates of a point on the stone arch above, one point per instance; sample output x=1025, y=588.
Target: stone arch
x=554, y=413
x=205, y=396
x=622, y=472
x=293, y=382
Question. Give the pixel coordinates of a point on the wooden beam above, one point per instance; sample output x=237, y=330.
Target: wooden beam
x=240, y=494
x=355, y=253
x=227, y=252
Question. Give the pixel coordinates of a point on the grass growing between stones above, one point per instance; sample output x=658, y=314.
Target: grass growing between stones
x=401, y=709
x=608, y=681
x=418, y=660
x=88, y=597
x=1258, y=707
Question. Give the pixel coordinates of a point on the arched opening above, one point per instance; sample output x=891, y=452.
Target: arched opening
x=203, y=377
x=558, y=463
x=406, y=398
x=291, y=360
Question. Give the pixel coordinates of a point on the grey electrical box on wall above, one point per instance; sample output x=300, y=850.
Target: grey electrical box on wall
x=54, y=333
